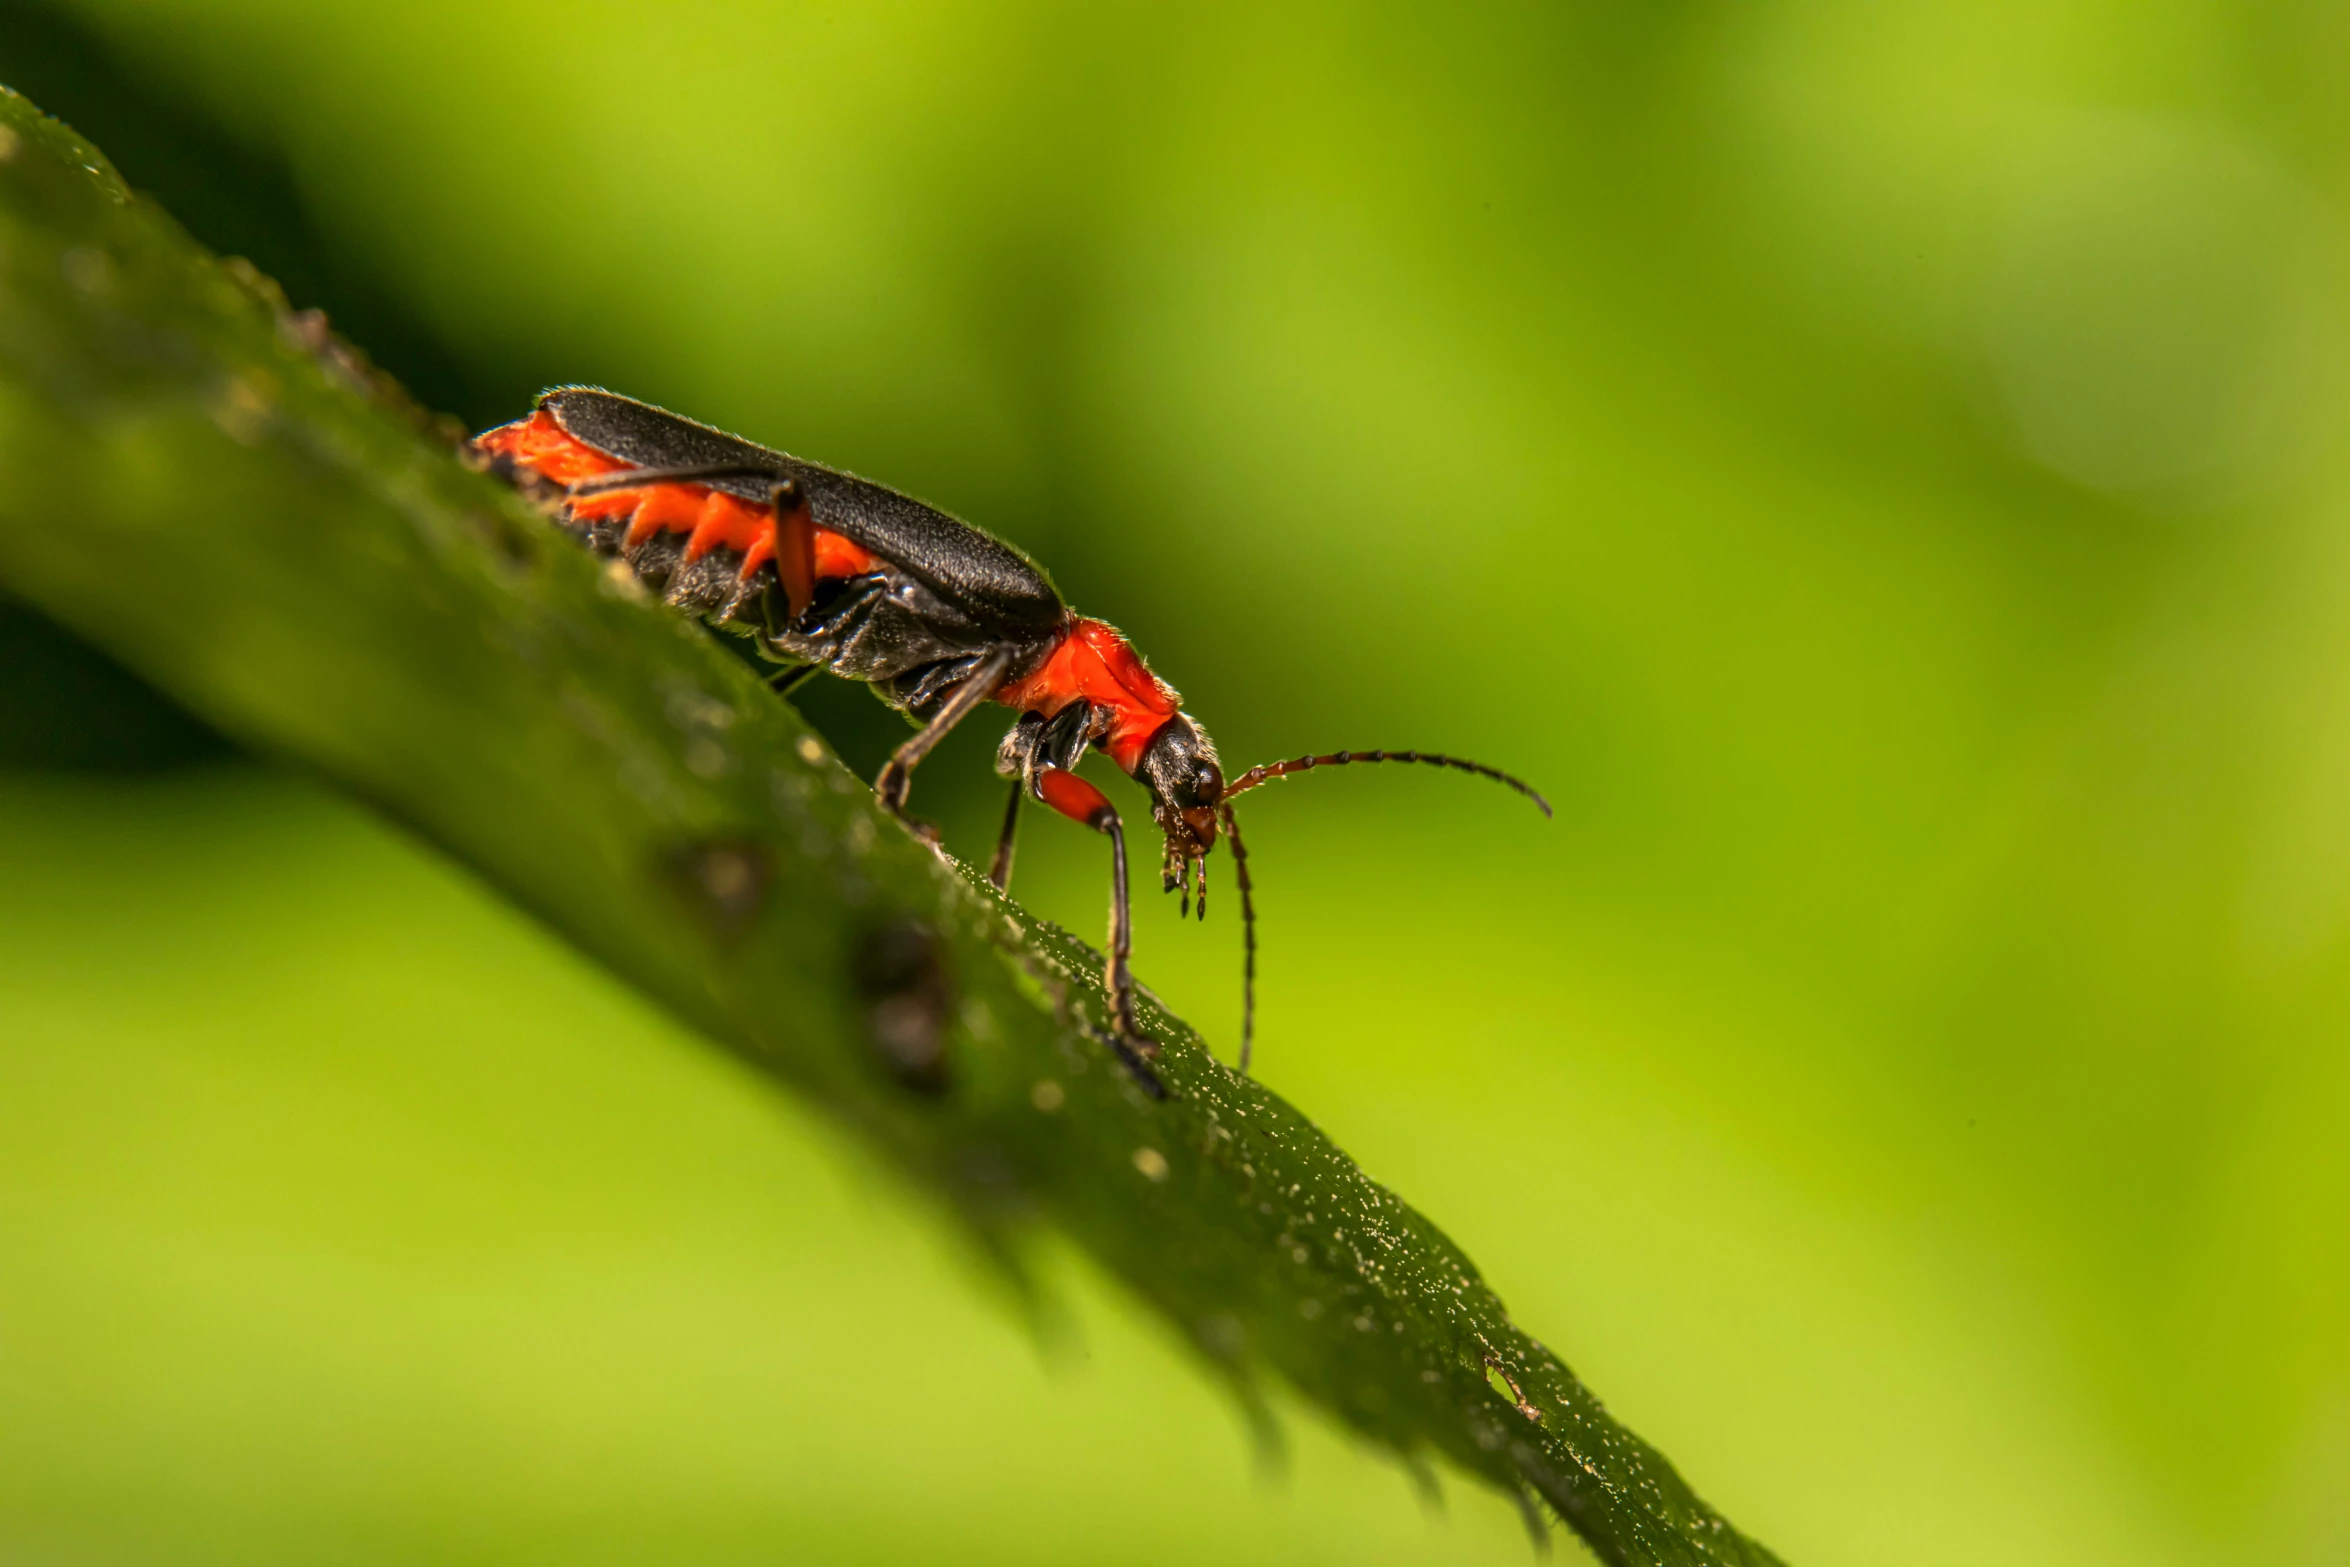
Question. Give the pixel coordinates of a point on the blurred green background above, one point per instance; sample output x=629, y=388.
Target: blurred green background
x=1880, y=469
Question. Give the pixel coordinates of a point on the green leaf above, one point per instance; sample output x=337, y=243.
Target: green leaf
x=235, y=505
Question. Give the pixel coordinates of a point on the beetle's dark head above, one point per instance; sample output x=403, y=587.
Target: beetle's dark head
x=1186, y=784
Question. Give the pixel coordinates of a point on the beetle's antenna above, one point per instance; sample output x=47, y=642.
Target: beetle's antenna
x=1269, y=771
x=1248, y=935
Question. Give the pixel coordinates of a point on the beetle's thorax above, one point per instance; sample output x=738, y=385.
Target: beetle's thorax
x=1093, y=690
x=1093, y=663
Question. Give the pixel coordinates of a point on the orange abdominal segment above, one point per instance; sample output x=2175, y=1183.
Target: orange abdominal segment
x=711, y=519
x=837, y=557
x=667, y=508
x=728, y=520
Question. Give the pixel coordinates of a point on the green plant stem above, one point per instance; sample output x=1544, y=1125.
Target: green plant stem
x=235, y=506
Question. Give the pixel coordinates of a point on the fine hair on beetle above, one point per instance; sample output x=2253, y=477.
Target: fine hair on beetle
x=826, y=571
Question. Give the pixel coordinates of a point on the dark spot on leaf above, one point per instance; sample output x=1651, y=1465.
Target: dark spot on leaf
x=907, y=1000
x=988, y=1176
x=1222, y=1335
x=724, y=882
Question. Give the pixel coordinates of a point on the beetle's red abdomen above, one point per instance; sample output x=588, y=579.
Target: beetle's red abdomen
x=1096, y=664
x=710, y=518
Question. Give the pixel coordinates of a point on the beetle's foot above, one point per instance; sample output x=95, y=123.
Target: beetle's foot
x=1134, y=1049
x=1136, y=1053
x=1130, y=1033
x=890, y=789
x=891, y=785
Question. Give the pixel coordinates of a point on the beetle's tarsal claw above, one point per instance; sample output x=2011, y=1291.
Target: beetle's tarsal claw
x=1135, y=1054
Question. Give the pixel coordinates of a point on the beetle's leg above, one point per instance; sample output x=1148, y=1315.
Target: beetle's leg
x=1081, y=802
x=999, y=869
x=897, y=774
x=1067, y=736
x=795, y=545
x=690, y=473
x=784, y=681
x=1015, y=759
x=1036, y=742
